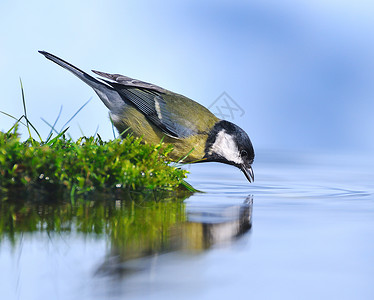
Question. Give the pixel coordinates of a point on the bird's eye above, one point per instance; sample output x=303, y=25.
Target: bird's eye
x=243, y=153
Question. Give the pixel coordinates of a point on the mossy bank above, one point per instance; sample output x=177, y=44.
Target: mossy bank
x=86, y=165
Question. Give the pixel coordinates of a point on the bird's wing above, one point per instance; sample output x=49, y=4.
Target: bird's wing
x=150, y=100
x=130, y=82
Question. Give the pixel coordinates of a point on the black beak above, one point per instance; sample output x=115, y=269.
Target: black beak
x=248, y=172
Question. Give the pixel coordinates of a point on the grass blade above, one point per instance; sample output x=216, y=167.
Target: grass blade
x=24, y=107
x=180, y=160
x=33, y=127
x=28, y=123
x=189, y=187
x=81, y=130
x=46, y=122
x=18, y=120
x=111, y=121
x=51, y=142
x=97, y=130
x=15, y=124
x=76, y=113
x=54, y=124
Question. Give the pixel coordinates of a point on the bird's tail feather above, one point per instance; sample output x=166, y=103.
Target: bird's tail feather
x=106, y=93
x=91, y=81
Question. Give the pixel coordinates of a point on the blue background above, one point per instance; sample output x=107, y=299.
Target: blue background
x=301, y=70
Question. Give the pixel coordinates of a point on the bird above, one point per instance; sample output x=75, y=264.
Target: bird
x=154, y=113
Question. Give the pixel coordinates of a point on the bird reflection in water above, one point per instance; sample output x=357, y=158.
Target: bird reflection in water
x=187, y=228
x=137, y=227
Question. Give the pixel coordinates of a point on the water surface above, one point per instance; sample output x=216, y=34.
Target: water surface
x=303, y=230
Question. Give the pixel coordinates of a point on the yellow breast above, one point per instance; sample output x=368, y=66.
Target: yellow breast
x=141, y=127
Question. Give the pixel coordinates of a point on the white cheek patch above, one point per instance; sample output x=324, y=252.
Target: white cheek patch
x=226, y=147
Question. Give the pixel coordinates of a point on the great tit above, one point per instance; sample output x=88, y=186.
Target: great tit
x=153, y=113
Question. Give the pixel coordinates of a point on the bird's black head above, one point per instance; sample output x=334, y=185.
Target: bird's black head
x=228, y=143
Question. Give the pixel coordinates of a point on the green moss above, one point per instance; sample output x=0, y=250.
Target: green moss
x=86, y=164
